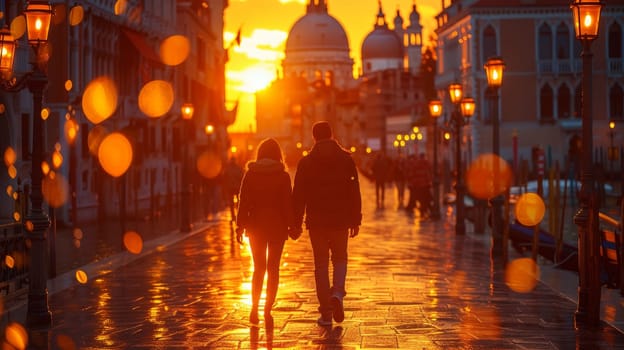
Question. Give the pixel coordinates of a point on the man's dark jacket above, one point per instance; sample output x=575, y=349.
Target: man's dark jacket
x=327, y=188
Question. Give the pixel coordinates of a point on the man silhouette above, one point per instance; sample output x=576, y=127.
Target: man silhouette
x=327, y=190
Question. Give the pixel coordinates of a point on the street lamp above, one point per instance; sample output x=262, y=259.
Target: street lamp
x=612, y=154
x=494, y=68
x=38, y=15
x=586, y=15
x=435, y=109
x=187, y=111
x=456, y=93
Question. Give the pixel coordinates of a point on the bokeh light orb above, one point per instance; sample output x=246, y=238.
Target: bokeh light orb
x=81, y=276
x=521, y=275
x=488, y=176
x=9, y=156
x=133, y=242
x=95, y=137
x=55, y=189
x=156, y=98
x=99, y=99
x=18, y=26
x=530, y=209
x=174, y=50
x=120, y=7
x=209, y=164
x=16, y=336
x=76, y=15
x=115, y=154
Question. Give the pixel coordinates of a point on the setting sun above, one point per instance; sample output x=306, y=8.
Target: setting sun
x=254, y=78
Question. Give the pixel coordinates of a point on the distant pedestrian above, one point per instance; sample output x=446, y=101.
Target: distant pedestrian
x=327, y=191
x=400, y=178
x=265, y=215
x=381, y=172
x=419, y=179
x=232, y=177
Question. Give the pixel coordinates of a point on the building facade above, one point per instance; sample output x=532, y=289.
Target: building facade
x=540, y=98
x=122, y=43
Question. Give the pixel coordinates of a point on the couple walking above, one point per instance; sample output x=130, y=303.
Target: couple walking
x=326, y=190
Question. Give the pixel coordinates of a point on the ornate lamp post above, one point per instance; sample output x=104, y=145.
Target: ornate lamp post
x=187, y=111
x=38, y=15
x=586, y=16
x=494, y=68
x=456, y=93
x=435, y=109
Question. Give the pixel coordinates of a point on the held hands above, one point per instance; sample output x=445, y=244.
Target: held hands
x=353, y=231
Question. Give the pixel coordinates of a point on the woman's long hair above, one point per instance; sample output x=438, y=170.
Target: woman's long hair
x=270, y=149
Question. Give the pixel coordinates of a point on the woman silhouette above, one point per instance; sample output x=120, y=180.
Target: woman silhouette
x=265, y=215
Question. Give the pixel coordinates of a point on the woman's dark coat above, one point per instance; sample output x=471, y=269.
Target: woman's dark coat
x=265, y=207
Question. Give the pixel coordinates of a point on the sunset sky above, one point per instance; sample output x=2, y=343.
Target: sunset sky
x=265, y=25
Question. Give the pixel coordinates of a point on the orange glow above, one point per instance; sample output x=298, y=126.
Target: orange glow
x=175, y=50
x=81, y=276
x=18, y=26
x=45, y=113
x=115, y=154
x=209, y=164
x=9, y=190
x=99, y=99
x=77, y=233
x=521, y=275
x=71, y=130
x=64, y=342
x=9, y=156
x=488, y=176
x=95, y=137
x=530, y=209
x=29, y=226
x=481, y=322
x=16, y=336
x=133, y=242
x=55, y=189
x=12, y=171
x=120, y=7
x=57, y=159
x=45, y=168
x=76, y=14
x=9, y=261
x=156, y=98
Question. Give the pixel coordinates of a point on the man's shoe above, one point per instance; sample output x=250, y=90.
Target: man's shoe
x=337, y=309
x=322, y=321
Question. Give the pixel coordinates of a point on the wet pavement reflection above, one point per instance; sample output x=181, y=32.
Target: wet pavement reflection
x=411, y=284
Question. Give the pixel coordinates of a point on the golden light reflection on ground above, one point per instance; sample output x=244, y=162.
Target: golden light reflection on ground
x=480, y=322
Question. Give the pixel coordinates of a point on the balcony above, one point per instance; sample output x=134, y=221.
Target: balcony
x=616, y=66
x=559, y=67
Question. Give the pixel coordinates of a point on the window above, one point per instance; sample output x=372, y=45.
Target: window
x=563, y=42
x=563, y=102
x=615, y=41
x=578, y=102
x=489, y=43
x=616, y=102
x=545, y=43
x=546, y=103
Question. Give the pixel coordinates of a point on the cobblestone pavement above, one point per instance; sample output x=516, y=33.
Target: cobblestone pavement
x=411, y=285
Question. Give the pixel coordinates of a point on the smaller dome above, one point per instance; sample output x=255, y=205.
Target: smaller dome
x=414, y=17
x=382, y=43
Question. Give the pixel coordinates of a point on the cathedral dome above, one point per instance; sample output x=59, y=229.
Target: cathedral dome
x=317, y=31
x=382, y=43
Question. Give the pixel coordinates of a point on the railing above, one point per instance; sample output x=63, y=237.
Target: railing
x=13, y=266
x=561, y=66
x=616, y=66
